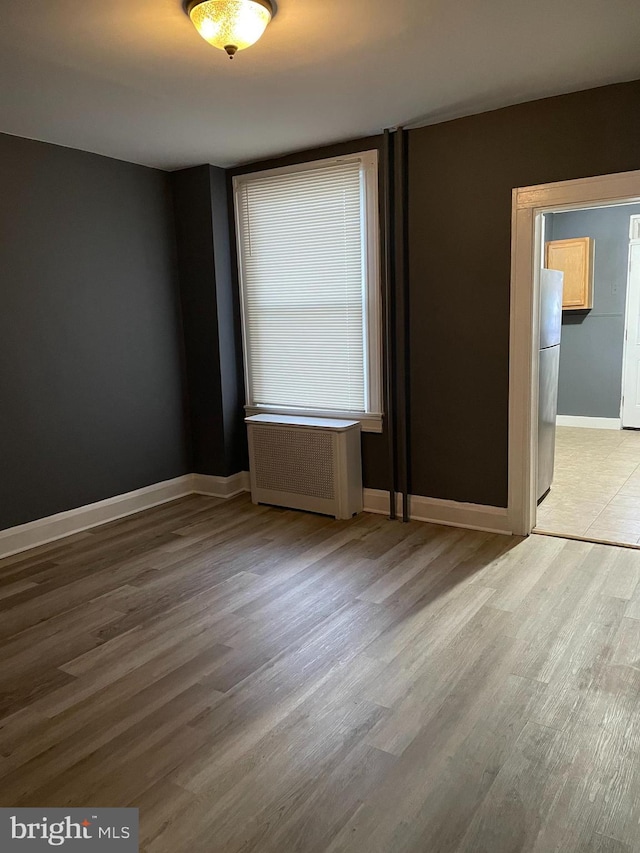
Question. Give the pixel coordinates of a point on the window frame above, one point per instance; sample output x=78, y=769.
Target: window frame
x=371, y=418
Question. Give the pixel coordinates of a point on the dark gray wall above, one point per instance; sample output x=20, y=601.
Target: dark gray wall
x=592, y=341
x=91, y=376
x=211, y=316
x=461, y=174
x=460, y=178
x=91, y=389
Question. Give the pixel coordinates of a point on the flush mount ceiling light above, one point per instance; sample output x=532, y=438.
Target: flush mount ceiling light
x=230, y=25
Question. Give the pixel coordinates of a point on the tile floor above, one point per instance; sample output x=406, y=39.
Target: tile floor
x=596, y=486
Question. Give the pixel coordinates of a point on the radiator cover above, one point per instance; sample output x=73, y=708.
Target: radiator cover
x=312, y=464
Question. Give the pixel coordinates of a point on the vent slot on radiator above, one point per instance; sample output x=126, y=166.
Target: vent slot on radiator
x=278, y=456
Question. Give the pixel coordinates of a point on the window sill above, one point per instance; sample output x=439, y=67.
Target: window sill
x=368, y=422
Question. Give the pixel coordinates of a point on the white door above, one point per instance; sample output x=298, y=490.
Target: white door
x=631, y=365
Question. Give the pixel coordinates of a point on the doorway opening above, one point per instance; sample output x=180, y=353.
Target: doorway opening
x=534, y=222
x=589, y=359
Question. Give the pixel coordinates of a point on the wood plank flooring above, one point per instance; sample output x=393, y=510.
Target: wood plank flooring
x=258, y=680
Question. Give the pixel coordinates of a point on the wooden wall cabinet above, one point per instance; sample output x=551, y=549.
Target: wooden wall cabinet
x=575, y=258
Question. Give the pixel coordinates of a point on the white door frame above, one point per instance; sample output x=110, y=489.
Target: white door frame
x=528, y=205
x=633, y=229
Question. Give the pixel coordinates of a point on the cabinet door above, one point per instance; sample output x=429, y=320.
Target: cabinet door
x=575, y=258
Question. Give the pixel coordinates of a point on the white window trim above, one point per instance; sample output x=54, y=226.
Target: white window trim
x=371, y=420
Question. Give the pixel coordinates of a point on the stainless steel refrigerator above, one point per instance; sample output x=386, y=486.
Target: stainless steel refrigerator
x=550, y=330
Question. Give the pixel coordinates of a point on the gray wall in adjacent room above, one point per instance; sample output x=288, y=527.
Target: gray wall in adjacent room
x=592, y=341
x=91, y=386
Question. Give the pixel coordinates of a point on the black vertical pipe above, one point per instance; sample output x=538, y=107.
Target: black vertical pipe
x=389, y=318
x=407, y=328
x=401, y=319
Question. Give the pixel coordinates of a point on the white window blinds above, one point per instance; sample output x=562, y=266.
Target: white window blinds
x=303, y=259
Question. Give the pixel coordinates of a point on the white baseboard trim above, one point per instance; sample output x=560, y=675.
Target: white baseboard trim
x=45, y=530
x=53, y=527
x=221, y=487
x=588, y=423
x=451, y=513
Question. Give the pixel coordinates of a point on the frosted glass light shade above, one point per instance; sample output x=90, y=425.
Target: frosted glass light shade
x=230, y=25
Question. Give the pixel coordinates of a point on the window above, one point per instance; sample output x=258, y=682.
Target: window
x=308, y=259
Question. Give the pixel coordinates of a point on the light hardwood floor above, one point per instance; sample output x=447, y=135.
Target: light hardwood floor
x=255, y=679
x=596, y=486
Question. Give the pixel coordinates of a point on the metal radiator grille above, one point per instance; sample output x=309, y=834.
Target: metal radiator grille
x=294, y=460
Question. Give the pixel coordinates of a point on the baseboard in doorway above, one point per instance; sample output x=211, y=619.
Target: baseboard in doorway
x=491, y=519
x=588, y=423
x=53, y=527
x=592, y=539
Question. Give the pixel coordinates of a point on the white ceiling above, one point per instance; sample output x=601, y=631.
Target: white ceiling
x=132, y=79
